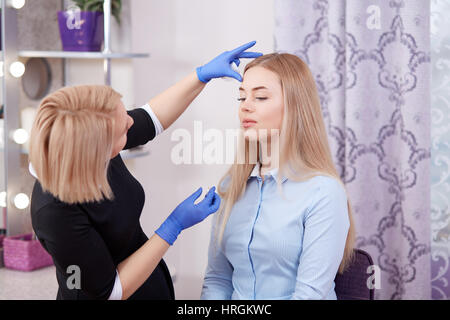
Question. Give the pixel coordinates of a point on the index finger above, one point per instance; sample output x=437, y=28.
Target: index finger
x=249, y=54
x=243, y=47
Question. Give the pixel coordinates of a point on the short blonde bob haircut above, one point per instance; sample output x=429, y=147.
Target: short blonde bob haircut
x=72, y=140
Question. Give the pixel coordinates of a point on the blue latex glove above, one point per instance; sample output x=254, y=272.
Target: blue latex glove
x=220, y=66
x=187, y=214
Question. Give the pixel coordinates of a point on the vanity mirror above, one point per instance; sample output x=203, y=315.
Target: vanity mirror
x=36, y=79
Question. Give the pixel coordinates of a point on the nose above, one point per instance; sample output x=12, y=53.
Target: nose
x=246, y=107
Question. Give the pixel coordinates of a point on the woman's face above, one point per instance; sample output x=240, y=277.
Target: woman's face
x=123, y=122
x=261, y=102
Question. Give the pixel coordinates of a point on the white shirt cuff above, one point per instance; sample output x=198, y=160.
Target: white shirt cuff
x=158, y=127
x=116, y=293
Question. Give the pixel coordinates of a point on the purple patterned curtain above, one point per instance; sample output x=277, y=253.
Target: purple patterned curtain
x=440, y=148
x=371, y=62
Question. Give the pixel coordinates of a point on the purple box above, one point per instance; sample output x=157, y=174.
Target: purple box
x=22, y=253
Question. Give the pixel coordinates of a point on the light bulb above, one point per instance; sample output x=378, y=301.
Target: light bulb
x=17, y=4
x=17, y=69
x=21, y=201
x=3, y=199
x=20, y=136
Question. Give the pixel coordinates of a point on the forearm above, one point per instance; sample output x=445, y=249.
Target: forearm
x=136, y=269
x=171, y=103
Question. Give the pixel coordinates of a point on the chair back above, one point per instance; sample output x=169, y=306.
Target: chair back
x=352, y=284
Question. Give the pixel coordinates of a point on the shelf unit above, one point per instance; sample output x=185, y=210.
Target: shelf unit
x=9, y=54
x=106, y=56
x=80, y=55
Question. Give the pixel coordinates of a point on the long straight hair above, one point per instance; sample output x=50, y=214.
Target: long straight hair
x=304, y=149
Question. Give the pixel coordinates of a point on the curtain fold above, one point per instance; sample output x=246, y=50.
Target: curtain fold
x=440, y=148
x=371, y=63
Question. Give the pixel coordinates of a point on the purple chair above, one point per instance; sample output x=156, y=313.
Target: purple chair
x=352, y=284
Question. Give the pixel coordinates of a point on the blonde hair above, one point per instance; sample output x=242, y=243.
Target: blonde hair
x=72, y=140
x=304, y=144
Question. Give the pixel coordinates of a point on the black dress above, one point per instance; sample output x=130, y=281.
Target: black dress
x=97, y=236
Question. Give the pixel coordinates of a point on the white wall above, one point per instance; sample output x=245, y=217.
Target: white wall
x=181, y=35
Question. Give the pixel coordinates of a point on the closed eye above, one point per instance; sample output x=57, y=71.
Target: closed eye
x=257, y=98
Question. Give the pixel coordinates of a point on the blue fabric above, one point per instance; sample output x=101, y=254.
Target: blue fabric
x=275, y=248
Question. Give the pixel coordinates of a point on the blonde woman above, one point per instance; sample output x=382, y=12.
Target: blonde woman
x=86, y=205
x=284, y=228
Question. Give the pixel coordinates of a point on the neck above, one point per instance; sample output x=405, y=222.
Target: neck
x=265, y=157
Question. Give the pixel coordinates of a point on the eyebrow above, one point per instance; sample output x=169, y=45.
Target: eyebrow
x=253, y=89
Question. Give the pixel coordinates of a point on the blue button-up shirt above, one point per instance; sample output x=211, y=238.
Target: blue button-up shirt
x=276, y=248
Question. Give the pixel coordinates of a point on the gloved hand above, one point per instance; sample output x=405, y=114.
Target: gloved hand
x=187, y=214
x=220, y=66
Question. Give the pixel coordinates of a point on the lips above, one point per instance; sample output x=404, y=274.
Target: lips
x=246, y=123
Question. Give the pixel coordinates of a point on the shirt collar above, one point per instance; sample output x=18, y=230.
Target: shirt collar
x=273, y=172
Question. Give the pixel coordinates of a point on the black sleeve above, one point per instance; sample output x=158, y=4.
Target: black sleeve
x=143, y=129
x=69, y=237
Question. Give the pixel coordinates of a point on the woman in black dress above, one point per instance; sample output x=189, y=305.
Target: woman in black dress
x=86, y=205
